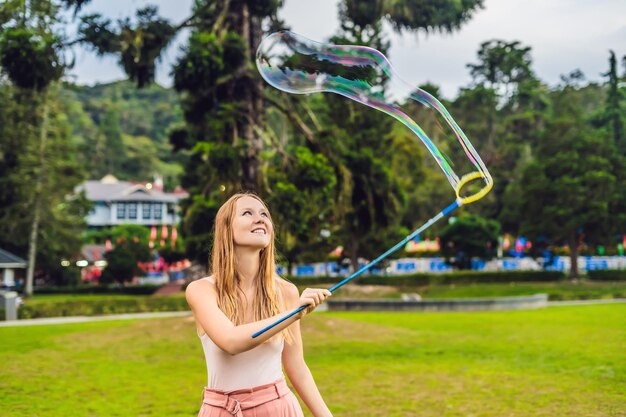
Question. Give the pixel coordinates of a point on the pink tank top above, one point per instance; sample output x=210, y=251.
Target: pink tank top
x=259, y=366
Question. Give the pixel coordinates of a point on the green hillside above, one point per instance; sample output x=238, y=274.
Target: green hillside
x=122, y=130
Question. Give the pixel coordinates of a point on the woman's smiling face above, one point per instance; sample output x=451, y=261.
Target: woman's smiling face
x=252, y=226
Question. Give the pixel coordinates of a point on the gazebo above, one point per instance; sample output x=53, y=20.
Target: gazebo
x=8, y=263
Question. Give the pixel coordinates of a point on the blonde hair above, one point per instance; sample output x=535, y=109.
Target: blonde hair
x=268, y=300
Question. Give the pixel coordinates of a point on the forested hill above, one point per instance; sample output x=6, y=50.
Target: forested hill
x=119, y=129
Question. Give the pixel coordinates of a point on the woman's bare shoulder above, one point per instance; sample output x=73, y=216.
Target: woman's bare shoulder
x=288, y=288
x=200, y=286
x=199, y=294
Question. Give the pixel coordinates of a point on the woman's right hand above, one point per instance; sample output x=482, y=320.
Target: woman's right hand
x=313, y=297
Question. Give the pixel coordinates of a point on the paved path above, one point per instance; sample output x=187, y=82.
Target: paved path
x=169, y=289
x=585, y=302
x=83, y=319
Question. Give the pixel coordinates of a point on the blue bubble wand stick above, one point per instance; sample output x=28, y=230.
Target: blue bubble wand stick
x=399, y=245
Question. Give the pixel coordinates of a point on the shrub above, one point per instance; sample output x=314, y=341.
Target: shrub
x=469, y=237
x=462, y=277
x=122, y=261
x=607, y=274
x=146, y=289
x=101, y=306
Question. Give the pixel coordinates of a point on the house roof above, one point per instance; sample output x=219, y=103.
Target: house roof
x=103, y=191
x=110, y=189
x=8, y=260
x=147, y=196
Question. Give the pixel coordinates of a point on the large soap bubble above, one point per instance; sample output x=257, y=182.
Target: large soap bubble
x=295, y=64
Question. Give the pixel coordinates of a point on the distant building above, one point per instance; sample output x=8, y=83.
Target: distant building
x=8, y=263
x=122, y=202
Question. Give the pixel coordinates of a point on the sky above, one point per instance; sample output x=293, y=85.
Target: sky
x=564, y=35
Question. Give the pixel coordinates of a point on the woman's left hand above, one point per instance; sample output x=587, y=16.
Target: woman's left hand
x=313, y=297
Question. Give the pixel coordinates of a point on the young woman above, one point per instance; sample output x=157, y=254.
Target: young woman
x=244, y=295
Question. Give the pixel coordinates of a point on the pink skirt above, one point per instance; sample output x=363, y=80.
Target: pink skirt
x=270, y=400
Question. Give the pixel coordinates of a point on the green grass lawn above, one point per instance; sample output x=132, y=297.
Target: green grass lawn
x=558, y=361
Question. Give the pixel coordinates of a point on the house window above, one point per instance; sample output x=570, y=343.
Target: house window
x=146, y=211
x=121, y=210
x=132, y=210
x=156, y=209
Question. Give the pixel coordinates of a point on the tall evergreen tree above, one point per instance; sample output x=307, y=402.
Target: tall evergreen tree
x=569, y=187
x=615, y=112
x=31, y=59
x=512, y=103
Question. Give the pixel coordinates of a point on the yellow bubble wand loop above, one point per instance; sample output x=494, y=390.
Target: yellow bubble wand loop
x=467, y=178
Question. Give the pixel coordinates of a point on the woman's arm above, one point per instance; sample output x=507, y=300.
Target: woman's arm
x=201, y=296
x=296, y=368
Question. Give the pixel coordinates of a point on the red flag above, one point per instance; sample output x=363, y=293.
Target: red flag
x=174, y=236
